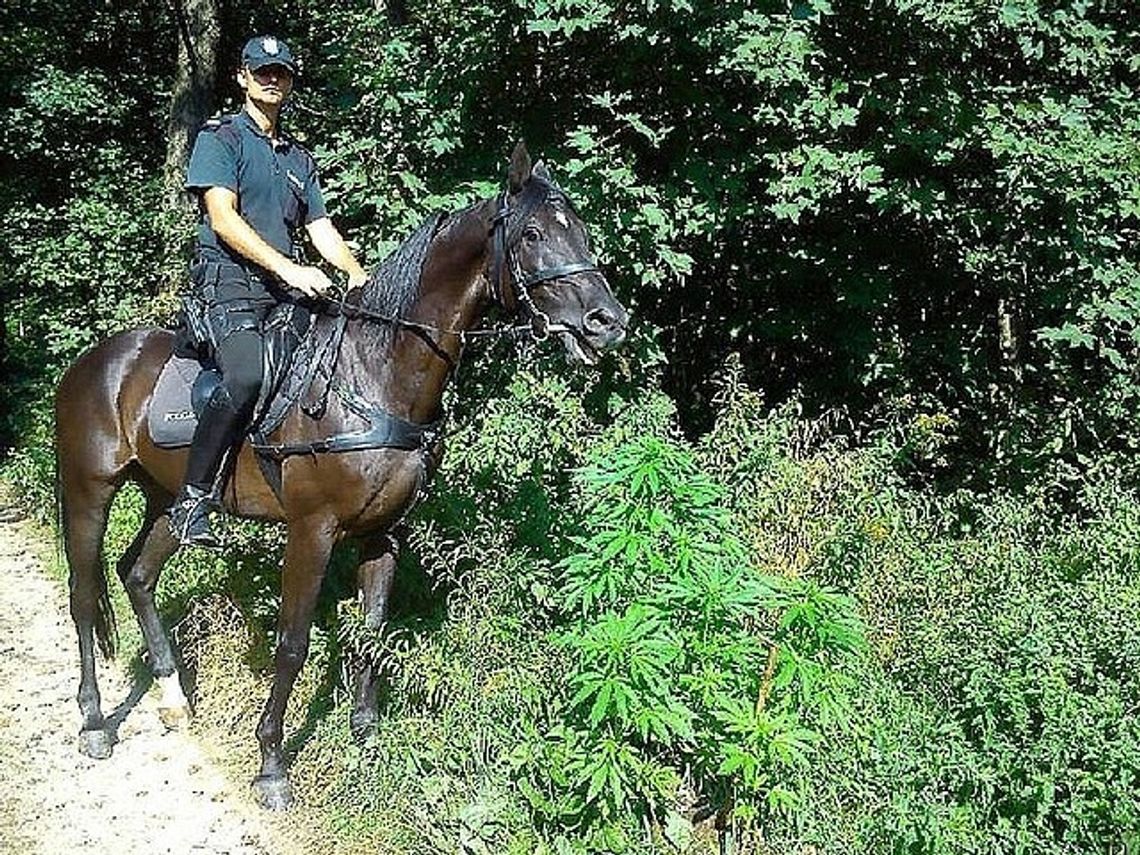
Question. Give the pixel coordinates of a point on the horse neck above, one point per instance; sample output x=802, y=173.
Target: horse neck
x=409, y=380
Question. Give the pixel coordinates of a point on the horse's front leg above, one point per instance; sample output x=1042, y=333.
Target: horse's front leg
x=374, y=576
x=307, y=553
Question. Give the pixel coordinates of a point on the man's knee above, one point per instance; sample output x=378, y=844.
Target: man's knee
x=240, y=361
x=243, y=386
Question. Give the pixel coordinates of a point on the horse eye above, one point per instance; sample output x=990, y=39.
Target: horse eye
x=531, y=233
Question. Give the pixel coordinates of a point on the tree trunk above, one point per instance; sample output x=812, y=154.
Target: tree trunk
x=191, y=101
x=1008, y=340
x=396, y=11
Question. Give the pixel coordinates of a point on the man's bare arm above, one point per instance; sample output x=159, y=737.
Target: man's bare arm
x=227, y=223
x=334, y=250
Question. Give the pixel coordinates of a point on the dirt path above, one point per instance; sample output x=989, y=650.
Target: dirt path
x=156, y=794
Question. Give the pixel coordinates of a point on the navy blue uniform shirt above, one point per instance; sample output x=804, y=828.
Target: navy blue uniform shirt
x=276, y=185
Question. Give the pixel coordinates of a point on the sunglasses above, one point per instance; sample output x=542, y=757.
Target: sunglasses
x=271, y=72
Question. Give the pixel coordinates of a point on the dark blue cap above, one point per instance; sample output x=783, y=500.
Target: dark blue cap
x=261, y=51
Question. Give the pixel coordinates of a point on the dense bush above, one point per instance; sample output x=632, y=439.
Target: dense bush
x=993, y=714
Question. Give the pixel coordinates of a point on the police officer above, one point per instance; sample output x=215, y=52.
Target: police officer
x=255, y=187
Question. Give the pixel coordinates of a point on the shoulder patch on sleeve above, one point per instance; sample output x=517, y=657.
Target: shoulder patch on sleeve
x=225, y=129
x=215, y=122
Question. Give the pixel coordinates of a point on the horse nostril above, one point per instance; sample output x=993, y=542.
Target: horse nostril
x=597, y=321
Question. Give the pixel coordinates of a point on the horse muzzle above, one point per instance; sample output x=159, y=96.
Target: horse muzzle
x=604, y=327
x=600, y=329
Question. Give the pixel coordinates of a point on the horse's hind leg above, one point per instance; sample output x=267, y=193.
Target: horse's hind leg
x=98, y=405
x=139, y=569
x=374, y=576
x=84, y=520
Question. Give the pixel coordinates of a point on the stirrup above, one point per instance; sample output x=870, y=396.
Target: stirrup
x=190, y=519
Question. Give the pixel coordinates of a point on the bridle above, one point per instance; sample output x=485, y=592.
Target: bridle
x=506, y=230
x=505, y=236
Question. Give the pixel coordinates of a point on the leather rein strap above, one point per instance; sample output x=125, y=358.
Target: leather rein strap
x=388, y=431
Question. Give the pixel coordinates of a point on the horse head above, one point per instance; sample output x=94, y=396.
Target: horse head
x=543, y=269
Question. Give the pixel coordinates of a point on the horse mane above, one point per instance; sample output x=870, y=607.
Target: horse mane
x=394, y=283
x=390, y=290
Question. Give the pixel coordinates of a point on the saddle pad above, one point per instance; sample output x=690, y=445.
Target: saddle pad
x=171, y=419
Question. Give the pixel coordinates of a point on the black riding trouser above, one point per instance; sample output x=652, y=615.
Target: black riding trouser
x=223, y=420
x=231, y=308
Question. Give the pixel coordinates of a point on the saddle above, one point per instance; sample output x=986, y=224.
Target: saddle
x=292, y=361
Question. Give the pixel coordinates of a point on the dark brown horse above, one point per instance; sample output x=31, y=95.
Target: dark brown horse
x=527, y=249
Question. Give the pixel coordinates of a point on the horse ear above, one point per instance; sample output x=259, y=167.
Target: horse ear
x=520, y=168
x=540, y=171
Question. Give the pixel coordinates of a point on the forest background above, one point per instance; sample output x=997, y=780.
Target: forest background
x=839, y=554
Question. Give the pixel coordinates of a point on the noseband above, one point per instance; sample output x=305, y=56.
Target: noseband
x=505, y=237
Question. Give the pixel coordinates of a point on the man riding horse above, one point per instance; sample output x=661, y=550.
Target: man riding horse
x=255, y=185
x=360, y=441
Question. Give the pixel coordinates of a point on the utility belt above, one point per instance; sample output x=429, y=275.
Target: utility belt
x=225, y=298
x=223, y=281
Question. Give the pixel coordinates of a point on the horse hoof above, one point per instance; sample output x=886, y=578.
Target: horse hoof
x=362, y=725
x=95, y=744
x=173, y=708
x=174, y=718
x=273, y=793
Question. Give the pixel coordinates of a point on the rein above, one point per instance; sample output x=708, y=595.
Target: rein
x=353, y=311
x=387, y=431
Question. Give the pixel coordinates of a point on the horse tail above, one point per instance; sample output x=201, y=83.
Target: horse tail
x=106, y=629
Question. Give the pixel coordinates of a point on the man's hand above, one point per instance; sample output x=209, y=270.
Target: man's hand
x=357, y=279
x=311, y=281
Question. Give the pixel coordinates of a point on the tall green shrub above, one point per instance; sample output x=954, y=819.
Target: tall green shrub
x=690, y=669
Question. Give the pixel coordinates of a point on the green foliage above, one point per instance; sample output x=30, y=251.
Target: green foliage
x=926, y=199
x=687, y=664
x=917, y=217
x=30, y=470
x=859, y=201
x=79, y=157
x=987, y=719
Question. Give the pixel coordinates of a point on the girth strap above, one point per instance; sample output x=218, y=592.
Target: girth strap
x=384, y=431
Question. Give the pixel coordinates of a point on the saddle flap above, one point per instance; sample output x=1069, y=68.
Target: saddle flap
x=171, y=418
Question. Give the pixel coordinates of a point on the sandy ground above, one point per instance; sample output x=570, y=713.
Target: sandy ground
x=156, y=794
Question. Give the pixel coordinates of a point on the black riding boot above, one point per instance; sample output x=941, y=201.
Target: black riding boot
x=220, y=426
